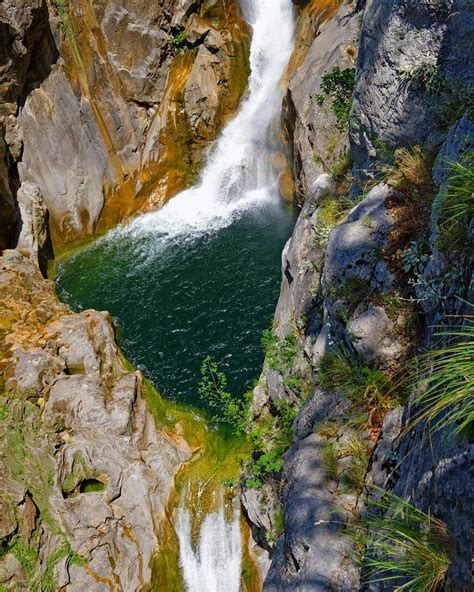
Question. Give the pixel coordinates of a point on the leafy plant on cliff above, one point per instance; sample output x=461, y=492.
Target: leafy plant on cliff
x=402, y=545
x=362, y=385
x=457, y=208
x=423, y=76
x=446, y=379
x=178, y=40
x=225, y=408
x=338, y=86
x=279, y=352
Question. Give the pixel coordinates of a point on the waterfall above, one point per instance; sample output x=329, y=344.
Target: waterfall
x=214, y=564
x=238, y=175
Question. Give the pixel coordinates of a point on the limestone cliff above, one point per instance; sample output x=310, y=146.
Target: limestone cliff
x=85, y=469
x=109, y=105
x=350, y=298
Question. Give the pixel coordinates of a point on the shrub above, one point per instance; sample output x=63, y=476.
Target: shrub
x=225, y=408
x=447, y=378
x=279, y=352
x=271, y=437
x=457, y=207
x=424, y=76
x=338, y=85
x=403, y=545
x=178, y=40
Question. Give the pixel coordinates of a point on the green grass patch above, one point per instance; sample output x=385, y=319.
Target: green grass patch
x=402, y=546
x=446, y=378
x=457, y=208
x=360, y=384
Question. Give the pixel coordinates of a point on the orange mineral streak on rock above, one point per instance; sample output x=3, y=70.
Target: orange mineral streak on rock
x=154, y=149
x=310, y=18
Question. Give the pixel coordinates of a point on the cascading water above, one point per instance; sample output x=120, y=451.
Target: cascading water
x=214, y=565
x=239, y=175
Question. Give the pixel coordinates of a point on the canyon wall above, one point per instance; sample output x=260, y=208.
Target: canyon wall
x=108, y=106
x=351, y=302
x=85, y=469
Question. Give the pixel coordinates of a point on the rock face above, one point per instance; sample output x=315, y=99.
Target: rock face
x=327, y=36
x=415, y=75
x=121, y=129
x=347, y=299
x=86, y=471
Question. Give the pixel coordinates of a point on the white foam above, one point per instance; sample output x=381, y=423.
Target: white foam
x=214, y=565
x=238, y=175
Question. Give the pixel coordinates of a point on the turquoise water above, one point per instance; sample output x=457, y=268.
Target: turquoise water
x=176, y=301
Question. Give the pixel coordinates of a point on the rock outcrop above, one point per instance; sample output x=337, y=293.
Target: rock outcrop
x=350, y=298
x=85, y=469
x=415, y=75
x=108, y=108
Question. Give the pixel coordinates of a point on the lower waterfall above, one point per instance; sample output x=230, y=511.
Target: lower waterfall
x=213, y=562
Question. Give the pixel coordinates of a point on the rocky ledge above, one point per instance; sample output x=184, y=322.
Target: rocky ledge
x=85, y=469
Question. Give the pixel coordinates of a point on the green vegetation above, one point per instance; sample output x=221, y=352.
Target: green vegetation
x=332, y=211
x=457, y=207
x=424, y=76
x=354, y=288
x=353, y=476
x=446, y=379
x=361, y=385
x=270, y=437
x=330, y=458
x=178, y=40
x=28, y=558
x=338, y=86
x=279, y=352
x=225, y=408
x=410, y=172
x=403, y=545
x=3, y=410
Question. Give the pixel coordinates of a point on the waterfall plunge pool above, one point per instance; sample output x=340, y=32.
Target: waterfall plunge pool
x=176, y=302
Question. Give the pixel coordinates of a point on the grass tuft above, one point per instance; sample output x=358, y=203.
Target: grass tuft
x=446, y=377
x=403, y=545
x=457, y=208
x=358, y=383
x=410, y=172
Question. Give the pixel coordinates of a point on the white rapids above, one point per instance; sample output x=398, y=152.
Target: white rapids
x=215, y=564
x=238, y=175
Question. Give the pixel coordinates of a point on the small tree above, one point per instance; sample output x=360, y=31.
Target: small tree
x=225, y=408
